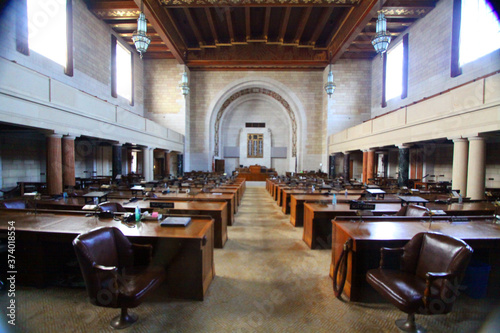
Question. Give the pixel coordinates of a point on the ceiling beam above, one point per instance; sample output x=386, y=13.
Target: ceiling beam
x=284, y=24
x=355, y=21
x=255, y=53
x=113, y=5
x=193, y=26
x=229, y=24
x=165, y=27
x=323, y=18
x=406, y=12
x=247, y=23
x=210, y=19
x=302, y=24
x=259, y=3
x=267, y=18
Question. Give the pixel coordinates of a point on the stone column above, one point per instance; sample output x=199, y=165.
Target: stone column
x=331, y=166
x=167, y=163
x=147, y=168
x=476, y=170
x=370, y=164
x=180, y=165
x=68, y=160
x=365, y=166
x=54, y=165
x=347, y=158
x=117, y=160
x=404, y=165
x=459, y=171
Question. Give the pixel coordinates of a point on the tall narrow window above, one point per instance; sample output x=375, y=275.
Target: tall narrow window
x=476, y=32
x=122, y=76
x=394, y=72
x=395, y=79
x=479, y=30
x=255, y=145
x=47, y=33
x=123, y=72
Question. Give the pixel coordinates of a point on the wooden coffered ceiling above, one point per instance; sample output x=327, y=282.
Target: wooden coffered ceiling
x=259, y=34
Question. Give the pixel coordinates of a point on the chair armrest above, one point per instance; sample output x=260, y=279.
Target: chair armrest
x=387, y=250
x=112, y=269
x=143, y=254
x=430, y=277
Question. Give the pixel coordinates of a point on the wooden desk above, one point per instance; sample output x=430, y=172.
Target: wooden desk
x=317, y=220
x=41, y=240
x=229, y=191
x=211, y=197
x=90, y=197
x=409, y=199
x=369, y=237
x=297, y=203
x=216, y=210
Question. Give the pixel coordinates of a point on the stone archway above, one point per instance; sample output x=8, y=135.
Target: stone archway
x=248, y=91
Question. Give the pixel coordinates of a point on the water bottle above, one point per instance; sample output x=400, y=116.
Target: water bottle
x=460, y=199
x=346, y=193
x=137, y=214
x=334, y=199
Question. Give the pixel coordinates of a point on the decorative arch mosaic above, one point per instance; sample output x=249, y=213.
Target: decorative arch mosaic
x=248, y=91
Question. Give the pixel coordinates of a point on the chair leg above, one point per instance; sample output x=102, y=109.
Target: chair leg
x=409, y=325
x=124, y=320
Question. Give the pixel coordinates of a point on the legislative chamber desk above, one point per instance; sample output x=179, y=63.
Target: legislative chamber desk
x=317, y=217
x=297, y=203
x=317, y=233
x=368, y=237
x=286, y=194
x=216, y=210
x=44, y=242
x=204, y=197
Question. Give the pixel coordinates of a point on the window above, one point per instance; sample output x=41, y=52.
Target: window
x=50, y=30
x=479, y=31
x=255, y=145
x=395, y=78
x=476, y=32
x=394, y=72
x=122, y=76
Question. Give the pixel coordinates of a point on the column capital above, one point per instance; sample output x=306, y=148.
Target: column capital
x=403, y=146
x=55, y=135
x=473, y=138
x=346, y=152
x=458, y=139
x=69, y=137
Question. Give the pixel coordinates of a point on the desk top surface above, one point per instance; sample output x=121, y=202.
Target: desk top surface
x=97, y=194
x=412, y=198
x=376, y=231
x=344, y=207
x=77, y=224
x=178, y=205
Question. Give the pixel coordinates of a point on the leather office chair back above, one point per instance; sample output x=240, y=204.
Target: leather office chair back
x=105, y=247
x=112, y=207
x=431, y=268
x=413, y=210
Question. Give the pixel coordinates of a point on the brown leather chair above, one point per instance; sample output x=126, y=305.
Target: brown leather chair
x=413, y=210
x=111, y=207
x=116, y=272
x=426, y=282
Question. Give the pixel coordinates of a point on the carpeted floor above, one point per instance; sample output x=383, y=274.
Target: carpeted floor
x=267, y=281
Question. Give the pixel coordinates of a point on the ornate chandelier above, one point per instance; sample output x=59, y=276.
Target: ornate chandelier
x=141, y=40
x=381, y=40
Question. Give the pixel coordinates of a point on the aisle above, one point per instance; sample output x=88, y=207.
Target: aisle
x=267, y=280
